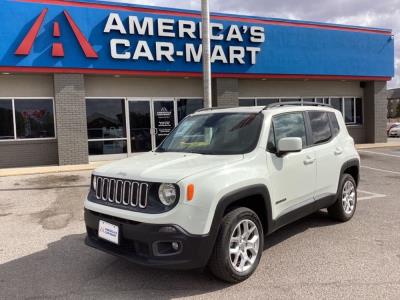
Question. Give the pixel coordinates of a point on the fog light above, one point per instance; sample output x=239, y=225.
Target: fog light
x=175, y=246
x=162, y=248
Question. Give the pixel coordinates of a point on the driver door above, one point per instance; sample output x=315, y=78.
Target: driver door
x=292, y=176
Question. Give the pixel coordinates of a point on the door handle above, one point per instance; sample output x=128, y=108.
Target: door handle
x=309, y=160
x=153, y=131
x=338, y=151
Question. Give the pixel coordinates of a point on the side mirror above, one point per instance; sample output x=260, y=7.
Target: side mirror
x=289, y=144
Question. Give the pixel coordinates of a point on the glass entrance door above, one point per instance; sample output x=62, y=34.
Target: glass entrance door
x=164, y=119
x=150, y=121
x=140, y=125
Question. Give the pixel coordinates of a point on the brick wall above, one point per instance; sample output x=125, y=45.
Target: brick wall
x=28, y=153
x=375, y=111
x=69, y=91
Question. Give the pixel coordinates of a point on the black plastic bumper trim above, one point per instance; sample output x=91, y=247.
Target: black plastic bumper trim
x=137, y=240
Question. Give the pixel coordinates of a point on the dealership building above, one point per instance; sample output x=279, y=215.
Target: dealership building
x=87, y=80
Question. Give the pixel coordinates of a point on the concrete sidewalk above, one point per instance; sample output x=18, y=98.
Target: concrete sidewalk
x=93, y=165
x=50, y=169
x=392, y=142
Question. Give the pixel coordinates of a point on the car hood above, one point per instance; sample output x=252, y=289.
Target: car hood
x=164, y=166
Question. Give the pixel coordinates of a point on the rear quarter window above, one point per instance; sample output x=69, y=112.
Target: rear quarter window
x=334, y=123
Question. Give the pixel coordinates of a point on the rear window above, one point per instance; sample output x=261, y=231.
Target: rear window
x=321, y=130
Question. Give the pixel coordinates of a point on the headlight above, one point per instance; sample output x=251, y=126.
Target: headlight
x=167, y=194
x=94, y=182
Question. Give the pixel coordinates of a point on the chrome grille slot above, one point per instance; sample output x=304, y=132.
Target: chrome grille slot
x=104, y=189
x=144, y=188
x=134, y=194
x=111, y=189
x=99, y=184
x=118, y=191
x=126, y=193
x=121, y=192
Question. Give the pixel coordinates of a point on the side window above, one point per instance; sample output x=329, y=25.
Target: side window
x=290, y=125
x=334, y=124
x=321, y=130
x=271, y=145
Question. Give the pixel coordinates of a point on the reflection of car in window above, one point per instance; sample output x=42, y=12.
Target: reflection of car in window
x=221, y=182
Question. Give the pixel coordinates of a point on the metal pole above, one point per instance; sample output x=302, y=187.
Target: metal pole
x=205, y=19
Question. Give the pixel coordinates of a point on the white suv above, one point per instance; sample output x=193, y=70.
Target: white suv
x=219, y=183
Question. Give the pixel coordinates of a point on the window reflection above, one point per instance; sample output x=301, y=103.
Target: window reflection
x=107, y=147
x=34, y=118
x=267, y=101
x=188, y=106
x=105, y=118
x=321, y=131
x=247, y=102
x=349, y=110
x=290, y=125
x=337, y=104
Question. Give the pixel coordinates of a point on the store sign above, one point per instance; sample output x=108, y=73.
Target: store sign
x=102, y=37
x=174, y=29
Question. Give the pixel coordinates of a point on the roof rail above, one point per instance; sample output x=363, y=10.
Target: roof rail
x=214, y=108
x=298, y=103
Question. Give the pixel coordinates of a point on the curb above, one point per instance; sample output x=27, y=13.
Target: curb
x=50, y=169
x=380, y=145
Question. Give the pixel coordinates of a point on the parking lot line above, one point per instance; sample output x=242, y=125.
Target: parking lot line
x=380, y=170
x=370, y=195
x=379, y=153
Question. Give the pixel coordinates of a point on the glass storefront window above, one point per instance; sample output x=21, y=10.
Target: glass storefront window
x=105, y=118
x=290, y=100
x=266, y=101
x=337, y=104
x=106, y=126
x=6, y=120
x=349, y=110
x=247, y=102
x=188, y=106
x=308, y=100
x=34, y=118
x=359, y=111
x=107, y=147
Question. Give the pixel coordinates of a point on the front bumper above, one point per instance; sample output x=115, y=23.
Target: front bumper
x=138, y=243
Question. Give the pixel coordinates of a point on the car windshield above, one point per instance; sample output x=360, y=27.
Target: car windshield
x=215, y=134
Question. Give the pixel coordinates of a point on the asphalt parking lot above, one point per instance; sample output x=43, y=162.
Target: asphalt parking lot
x=43, y=256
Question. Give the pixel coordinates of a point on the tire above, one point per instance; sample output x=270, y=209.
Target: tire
x=221, y=263
x=344, y=208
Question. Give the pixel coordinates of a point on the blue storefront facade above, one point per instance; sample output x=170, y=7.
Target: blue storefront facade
x=89, y=80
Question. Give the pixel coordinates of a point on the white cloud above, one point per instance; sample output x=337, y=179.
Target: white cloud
x=373, y=13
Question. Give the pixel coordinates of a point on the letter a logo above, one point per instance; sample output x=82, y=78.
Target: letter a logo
x=57, y=50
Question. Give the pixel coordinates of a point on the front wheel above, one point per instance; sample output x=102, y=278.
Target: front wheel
x=345, y=206
x=239, y=246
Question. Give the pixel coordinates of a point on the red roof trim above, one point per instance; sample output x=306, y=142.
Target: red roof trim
x=187, y=74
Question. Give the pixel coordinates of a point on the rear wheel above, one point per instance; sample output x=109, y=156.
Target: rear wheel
x=345, y=206
x=239, y=246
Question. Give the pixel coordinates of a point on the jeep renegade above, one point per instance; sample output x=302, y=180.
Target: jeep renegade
x=220, y=182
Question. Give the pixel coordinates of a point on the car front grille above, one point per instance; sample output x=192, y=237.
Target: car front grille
x=126, y=193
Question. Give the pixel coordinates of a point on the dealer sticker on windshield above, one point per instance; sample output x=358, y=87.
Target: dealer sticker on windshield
x=109, y=232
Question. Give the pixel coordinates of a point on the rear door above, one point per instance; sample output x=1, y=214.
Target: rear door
x=292, y=176
x=327, y=152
